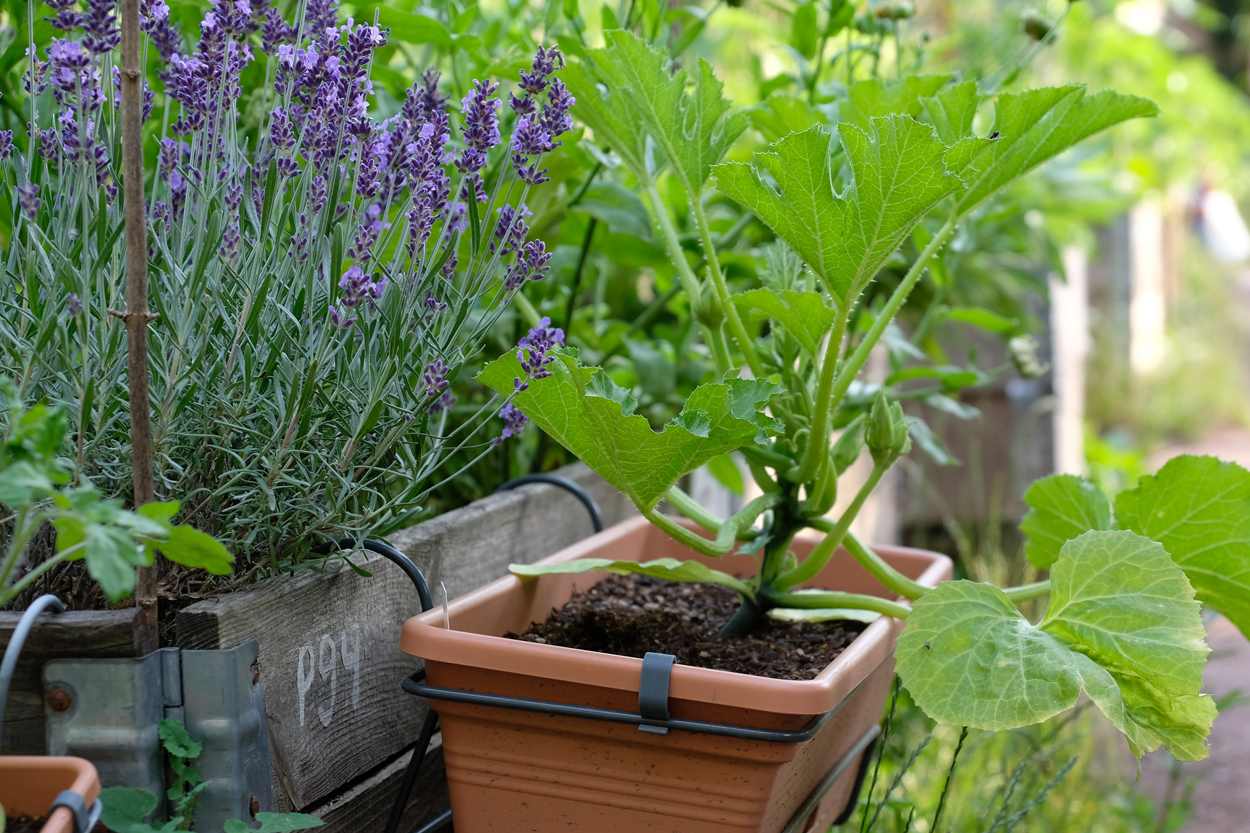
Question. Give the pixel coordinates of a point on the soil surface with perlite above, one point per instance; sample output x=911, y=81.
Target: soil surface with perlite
x=631, y=615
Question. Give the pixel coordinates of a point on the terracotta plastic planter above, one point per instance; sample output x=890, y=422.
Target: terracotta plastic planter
x=29, y=786
x=514, y=770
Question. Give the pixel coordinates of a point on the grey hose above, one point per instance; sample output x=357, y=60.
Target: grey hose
x=9, y=665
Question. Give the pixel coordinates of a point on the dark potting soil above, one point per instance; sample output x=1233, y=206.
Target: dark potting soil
x=25, y=824
x=631, y=615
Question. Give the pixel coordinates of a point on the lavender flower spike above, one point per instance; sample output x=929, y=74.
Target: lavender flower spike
x=514, y=423
x=481, y=125
x=532, y=352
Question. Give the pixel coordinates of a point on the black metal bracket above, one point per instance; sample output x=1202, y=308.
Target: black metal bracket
x=657, y=676
x=416, y=685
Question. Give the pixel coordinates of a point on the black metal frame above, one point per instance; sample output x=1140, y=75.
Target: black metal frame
x=653, y=711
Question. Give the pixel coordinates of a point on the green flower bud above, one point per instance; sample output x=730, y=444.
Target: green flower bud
x=1036, y=25
x=895, y=10
x=1023, y=350
x=886, y=434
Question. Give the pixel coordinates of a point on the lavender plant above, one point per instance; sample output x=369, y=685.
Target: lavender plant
x=317, y=290
x=1122, y=624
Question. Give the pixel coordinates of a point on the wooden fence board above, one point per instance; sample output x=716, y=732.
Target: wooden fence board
x=329, y=662
x=364, y=807
x=93, y=633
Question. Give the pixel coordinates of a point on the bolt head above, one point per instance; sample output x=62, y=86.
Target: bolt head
x=253, y=806
x=255, y=672
x=59, y=700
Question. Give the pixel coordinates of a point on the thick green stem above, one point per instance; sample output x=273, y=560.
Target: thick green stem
x=819, y=557
x=835, y=599
x=695, y=511
x=715, y=338
x=891, y=578
x=722, y=291
x=744, y=620
x=822, y=418
x=726, y=535
x=858, y=358
x=1028, y=591
x=676, y=254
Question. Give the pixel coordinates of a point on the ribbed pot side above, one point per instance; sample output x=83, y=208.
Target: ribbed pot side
x=510, y=770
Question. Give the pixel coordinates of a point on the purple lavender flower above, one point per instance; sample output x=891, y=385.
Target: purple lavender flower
x=530, y=265
x=510, y=230
x=319, y=16
x=514, y=423
x=459, y=219
x=162, y=32
x=529, y=138
x=230, y=241
x=367, y=234
x=72, y=304
x=6, y=143
x=65, y=18
x=534, y=82
x=357, y=286
x=532, y=353
x=443, y=403
x=433, y=306
x=28, y=200
x=436, y=379
x=449, y=268
x=555, y=116
x=99, y=26
x=340, y=318
x=481, y=125
x=275, y=31
x=424, y=99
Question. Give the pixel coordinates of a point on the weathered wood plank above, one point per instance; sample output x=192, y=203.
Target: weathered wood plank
x=365, y=807
x=88, y=633
x=329, y=660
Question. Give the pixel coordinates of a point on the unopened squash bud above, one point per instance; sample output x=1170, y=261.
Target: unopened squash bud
x=1036, y=25
x=886, y=435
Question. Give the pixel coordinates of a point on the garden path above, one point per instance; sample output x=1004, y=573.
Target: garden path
x=1221, y=800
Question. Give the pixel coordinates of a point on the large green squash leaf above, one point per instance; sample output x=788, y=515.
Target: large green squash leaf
x=1122, y=625
x=805, y=315
x=898, y=176
x=692, y=128
x=1029, y=128
x=665, y=568
x=590, y=415
x=1198, y=508
x=873, y=97
x=615, y=122
x=1061, y=507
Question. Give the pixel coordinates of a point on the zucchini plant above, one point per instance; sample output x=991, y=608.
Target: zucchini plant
x=1123, y=624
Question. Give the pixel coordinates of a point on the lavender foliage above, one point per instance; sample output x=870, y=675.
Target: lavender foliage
x=327, y=290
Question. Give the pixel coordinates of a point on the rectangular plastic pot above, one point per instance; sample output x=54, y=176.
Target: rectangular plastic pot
x=512, y=770
x=30, y=784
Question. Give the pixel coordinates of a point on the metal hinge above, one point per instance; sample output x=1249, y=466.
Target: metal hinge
x=108, y=711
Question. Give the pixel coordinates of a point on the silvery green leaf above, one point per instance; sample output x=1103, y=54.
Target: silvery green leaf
x=1061, y=507
x=665, y=568
x=1122, y=625
x=1198, y=508
x=898, y=177
x=586, y=412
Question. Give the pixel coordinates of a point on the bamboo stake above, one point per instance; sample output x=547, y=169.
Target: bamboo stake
x=137, y=316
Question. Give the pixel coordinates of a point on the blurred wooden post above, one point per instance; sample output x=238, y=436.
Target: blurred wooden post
x=1070, y=344
x=1147, y=301
x=137, y=315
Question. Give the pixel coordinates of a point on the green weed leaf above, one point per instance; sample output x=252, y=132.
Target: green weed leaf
x=593, y=417
x=1061, y=507
x=274, y=823
x=125, y=809
x=192, y=548
x=1198, y=508
x=665, y=568
x=898, y=176
x=176, y=740
x=1122, y=625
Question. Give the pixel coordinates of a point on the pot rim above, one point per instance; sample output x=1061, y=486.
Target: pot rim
x=425, y=636
x=85, y=781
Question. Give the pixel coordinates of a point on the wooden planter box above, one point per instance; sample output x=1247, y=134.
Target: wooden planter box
x=340, y=728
